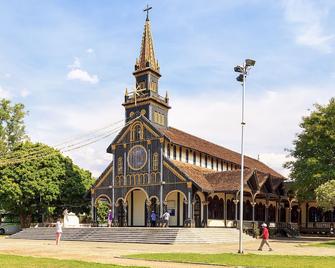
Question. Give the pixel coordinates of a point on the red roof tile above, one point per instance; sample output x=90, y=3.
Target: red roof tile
x=187, y=140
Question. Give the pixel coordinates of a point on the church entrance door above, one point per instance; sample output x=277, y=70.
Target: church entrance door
x=136, y=201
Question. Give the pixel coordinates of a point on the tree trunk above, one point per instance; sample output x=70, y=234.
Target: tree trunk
x=25, y=220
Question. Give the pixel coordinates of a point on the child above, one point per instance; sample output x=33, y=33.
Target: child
x=58, y=231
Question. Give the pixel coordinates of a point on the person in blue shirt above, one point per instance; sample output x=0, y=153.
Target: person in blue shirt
x=153, y=217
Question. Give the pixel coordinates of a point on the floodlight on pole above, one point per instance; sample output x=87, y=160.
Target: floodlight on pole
x=243, y=70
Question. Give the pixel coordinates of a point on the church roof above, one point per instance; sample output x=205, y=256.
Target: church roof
x=187, y=140
x=147, y=55
x=229, y=180
x=195, y=173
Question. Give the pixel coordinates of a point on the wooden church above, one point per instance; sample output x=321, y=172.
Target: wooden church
x=157, y=167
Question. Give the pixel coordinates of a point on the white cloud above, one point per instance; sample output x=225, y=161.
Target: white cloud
x=77, y=73
x=272, y=119
x=306, y=19
x=82, y=75
x=90, y=50
x=76, y=64
x=5, y=94
x=24, y=93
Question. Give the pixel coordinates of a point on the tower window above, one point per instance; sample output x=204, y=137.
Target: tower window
x=168, y=150
x=154, y=86
x=141, y=85
x=174, y=152
x=155, y=162
x=194, y=158
x=159, y=118
x=119, y=165
x=180, y=152
x=205, y=160
x=186, y=156
x=212, y=163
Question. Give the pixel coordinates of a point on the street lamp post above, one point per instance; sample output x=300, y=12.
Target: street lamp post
x=243, y=70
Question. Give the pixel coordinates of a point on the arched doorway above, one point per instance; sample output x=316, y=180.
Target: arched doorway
x=175, y=203
x=121, y=213
x=230, y=209
x=271, y=213
x=136, y=200
x=101, y=207
x=215, y=208
x=260, y=212
x=295, y=214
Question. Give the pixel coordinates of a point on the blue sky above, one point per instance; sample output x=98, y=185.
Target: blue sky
x=69, y=62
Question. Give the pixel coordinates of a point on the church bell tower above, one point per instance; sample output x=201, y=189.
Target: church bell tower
x=144, y=99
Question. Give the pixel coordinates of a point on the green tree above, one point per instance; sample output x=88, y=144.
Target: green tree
x=314, y=151
x=102, y=211
x=325, y=195
x=12, y=129
x=42, y=181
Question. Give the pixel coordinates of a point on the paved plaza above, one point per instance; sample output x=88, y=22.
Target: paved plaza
x=113, y=252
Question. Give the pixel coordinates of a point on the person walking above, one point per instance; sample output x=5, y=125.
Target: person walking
x=166, y=218
x=265, y=237
x=58, y=231
x=153, y=218
x=110, y=218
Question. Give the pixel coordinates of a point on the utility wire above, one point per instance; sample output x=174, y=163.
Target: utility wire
x=43, y=153
x=62, y=145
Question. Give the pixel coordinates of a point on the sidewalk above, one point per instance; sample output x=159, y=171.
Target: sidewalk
x=111, y=252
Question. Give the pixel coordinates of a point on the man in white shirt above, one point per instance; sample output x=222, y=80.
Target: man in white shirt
x=166, y=218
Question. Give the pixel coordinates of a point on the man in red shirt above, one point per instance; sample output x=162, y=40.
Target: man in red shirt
x=265, y=237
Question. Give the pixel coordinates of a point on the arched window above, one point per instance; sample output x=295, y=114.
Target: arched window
x=174, y=152
x=155, y=162
x=194, y=158
x=137, y=132
x=186, y=155
x=120, y=165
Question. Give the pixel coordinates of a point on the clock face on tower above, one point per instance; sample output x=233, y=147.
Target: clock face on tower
x=137, y=157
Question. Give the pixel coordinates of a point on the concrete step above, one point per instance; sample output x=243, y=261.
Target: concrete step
x=137, y=235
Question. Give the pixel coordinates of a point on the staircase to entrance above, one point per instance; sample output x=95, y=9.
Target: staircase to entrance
x=143, y=235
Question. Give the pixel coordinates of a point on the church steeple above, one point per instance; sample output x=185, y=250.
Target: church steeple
x=147, y=55
x=145, y=98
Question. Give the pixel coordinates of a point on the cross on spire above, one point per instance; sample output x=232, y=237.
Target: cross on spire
x=147, y=10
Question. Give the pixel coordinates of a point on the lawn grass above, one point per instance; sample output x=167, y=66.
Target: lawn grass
x=249, y=260
x=10, y=261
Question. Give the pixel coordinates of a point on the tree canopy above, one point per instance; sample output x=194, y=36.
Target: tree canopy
x=12, y=129
x=42, y=184
x=314, y=151
x=325, y=195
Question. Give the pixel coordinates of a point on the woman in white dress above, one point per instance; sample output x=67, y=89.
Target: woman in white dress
x=58, y=231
